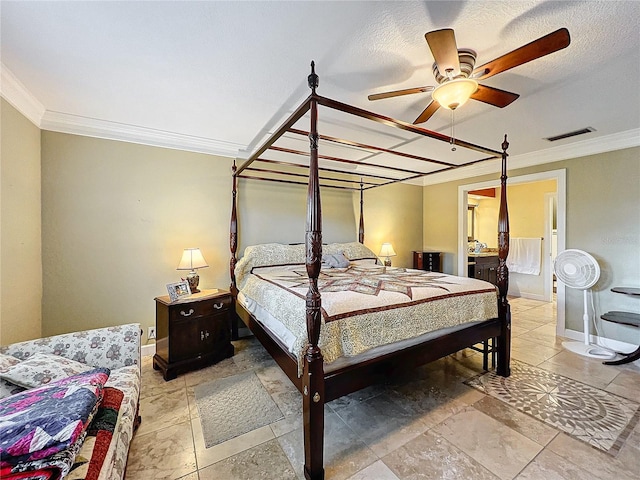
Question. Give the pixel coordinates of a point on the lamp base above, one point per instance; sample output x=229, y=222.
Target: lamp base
x=194, y=280
x=387, y=262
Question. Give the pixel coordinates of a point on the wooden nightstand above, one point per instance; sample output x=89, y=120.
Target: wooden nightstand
x=193, y=332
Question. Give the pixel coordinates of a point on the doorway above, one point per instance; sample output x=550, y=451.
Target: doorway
x=558, y=203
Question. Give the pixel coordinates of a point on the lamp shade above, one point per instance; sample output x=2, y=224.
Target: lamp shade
x=191, y=259
x=454, y=93
x=387, y=250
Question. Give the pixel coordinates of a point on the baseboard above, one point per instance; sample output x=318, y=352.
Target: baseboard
x=148, y=350
x=609, y=343
x=532, y=296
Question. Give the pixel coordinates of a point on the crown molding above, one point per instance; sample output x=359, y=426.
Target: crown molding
x=593, y=146
x=14, y=92
x=92, y=127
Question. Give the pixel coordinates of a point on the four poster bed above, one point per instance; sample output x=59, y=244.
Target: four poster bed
x=331, y=353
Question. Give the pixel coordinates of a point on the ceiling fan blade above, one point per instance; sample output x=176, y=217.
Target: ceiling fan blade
x=494, y=96
x=397, y=93
x=538, y=48
x=427, y=112
x=445, y=50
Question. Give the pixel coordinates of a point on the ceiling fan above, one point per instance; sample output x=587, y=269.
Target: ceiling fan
x=457, y=76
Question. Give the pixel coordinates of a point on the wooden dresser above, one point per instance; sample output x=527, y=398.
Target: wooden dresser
x=192, y=332
x=484, y=267
x=430, y=261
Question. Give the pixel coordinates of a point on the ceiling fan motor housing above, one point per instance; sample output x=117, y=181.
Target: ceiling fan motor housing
x=467, y=64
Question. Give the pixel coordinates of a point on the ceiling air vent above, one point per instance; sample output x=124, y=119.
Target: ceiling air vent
x=582, y=131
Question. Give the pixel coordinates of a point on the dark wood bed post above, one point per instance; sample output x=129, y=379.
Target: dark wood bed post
x=313, y=373
x=361, y=228
x=504, y=309
x=233, y=243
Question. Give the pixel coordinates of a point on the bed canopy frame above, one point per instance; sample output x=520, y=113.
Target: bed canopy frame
x=316, y=386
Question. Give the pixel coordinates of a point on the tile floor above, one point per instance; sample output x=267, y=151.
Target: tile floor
x=427, y=426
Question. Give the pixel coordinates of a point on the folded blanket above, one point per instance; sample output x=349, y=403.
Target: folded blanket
x=39, y=427
x=90, y=459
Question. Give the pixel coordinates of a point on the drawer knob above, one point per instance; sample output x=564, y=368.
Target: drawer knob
x=218, y=306
x=204, y=334
x=187, y=314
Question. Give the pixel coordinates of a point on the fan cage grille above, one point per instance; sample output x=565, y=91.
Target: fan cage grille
x=576, y=269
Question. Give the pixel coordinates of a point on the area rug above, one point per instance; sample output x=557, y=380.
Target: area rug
x=232, y=406
x=599, y=418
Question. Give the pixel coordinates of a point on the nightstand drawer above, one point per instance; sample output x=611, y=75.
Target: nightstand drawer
x=201, y=308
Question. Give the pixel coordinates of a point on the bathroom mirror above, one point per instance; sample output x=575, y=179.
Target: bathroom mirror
x=471, y=223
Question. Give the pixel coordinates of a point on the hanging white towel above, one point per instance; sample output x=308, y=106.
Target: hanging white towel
x=525, y=255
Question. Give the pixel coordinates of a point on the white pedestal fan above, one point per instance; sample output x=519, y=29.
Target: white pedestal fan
x=577, y=269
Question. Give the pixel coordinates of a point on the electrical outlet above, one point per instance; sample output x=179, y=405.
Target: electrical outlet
x=151, y=333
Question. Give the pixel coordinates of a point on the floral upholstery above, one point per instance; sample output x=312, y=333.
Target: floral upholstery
x=110, y=347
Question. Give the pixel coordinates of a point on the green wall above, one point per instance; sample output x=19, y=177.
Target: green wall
x=116, y=216
x=92, y=229
x=20, y=236
x=603, y=218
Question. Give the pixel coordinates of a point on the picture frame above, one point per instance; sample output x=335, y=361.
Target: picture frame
x=178, y=290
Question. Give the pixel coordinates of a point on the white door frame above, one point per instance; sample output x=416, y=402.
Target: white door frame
x=549, y=200
x=560, y=176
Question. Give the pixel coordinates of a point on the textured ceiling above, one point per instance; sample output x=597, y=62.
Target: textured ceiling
x=223, y=73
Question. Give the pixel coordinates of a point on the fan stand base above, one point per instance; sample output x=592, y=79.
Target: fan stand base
x=591, y=351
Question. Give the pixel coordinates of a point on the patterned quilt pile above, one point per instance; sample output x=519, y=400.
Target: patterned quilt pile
x=42, y=430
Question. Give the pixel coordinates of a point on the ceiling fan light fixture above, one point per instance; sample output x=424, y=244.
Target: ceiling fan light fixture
x=454, y=93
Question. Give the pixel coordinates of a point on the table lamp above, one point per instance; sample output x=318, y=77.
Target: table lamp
x=192, y=259
x=387, y=251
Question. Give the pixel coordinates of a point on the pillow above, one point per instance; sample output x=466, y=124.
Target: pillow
x=41, y=369
x=7, y=361
x=7, y=389
x=352, y=250
x=335, y=260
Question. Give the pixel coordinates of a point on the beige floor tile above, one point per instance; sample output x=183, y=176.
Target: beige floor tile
x=528, y=426
x=344, y=453
x=153, y=384
x=524, y=323
x=546, y=335
x=431, y=403
x=626, y=384
x=274, y=379
x=500, y=449
x=222, y=369
x=517, y=331
x=208, y=456
x=190, y=476
x=377, y=471
x=382, y=423
x=191, y=399
x=599, y=464
x=549, y=466
x=430, y=456
x=163, y=410
x=267, y=458
x=531, y=352
x=164, y=454
x=286, y=425
x=586, y=370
